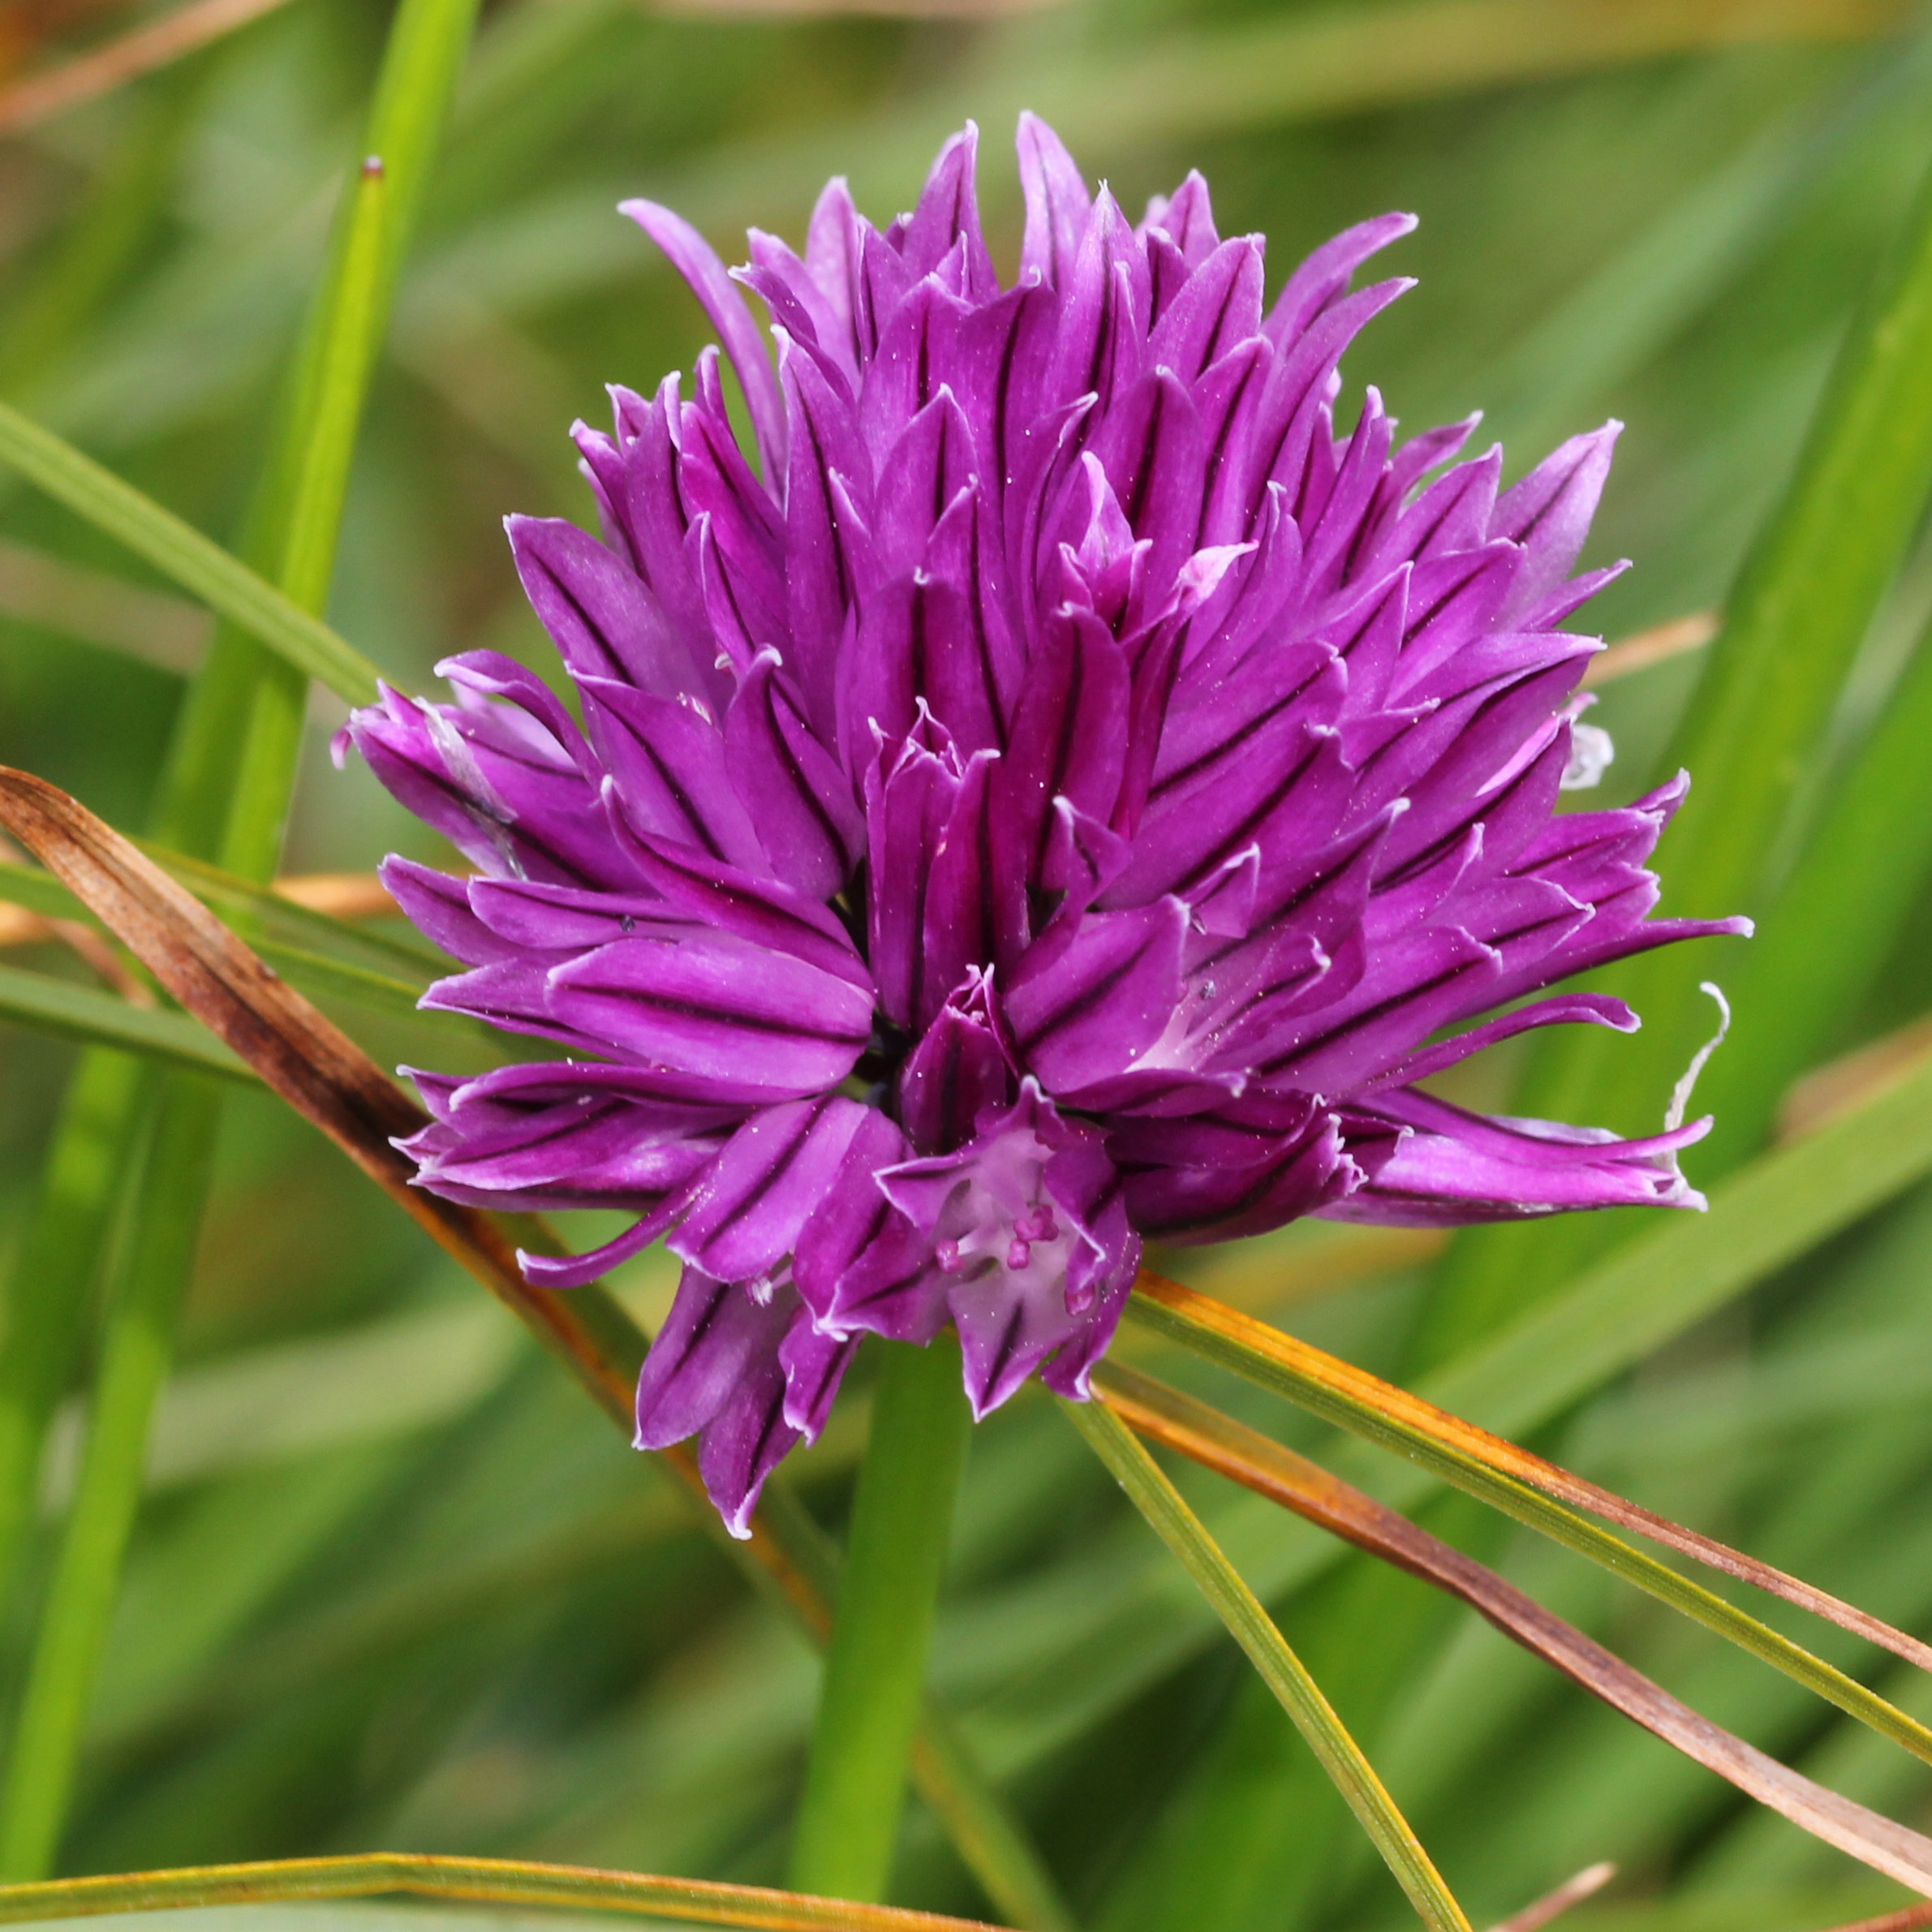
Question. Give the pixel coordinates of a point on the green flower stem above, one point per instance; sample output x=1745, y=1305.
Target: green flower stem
x=989, y=1839
x=1285, y=1674
x=164, y=1221
x=848, y=1822
x=224, y=796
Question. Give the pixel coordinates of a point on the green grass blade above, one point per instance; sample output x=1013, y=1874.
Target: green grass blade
x=319, y=974
x=1250, y=1626
x=1546, y=1516
x=848, y=1822
x=1808, y=591
x=322, y=978
x=73, y=1012
x=954, y=1784
x=297, y=931
x=982, y=1827
x=1778, y=1209
x=1835, y=920
x=1803, y=602
x=342, y=364
x=254, y=707
x=265, y=909
x=51, y=1289
x=225, y=795
x=179, y=550
x=493, y=1881
x=164, y=1222
x=38, y=891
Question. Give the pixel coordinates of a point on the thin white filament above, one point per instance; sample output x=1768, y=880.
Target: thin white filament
x=1681, y=1094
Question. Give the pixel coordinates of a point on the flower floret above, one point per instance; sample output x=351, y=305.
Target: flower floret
x=1055, y=790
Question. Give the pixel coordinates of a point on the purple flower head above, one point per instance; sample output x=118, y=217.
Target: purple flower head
x=1054, y=800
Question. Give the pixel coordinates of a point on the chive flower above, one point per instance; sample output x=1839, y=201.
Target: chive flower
x=1062, y=794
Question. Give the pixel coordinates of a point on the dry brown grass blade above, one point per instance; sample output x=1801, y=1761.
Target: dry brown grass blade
x=329, y=1080
x=1657, y=645
x=1817, y=1099
x=20, y=927
x=1402, y=1416
x=1908, y=1918
x=101, y=70
x=1553, y=1904
x=341, y=895
x=492, y=1881
x=1205, y=1435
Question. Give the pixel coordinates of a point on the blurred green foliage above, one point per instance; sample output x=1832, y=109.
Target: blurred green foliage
x=393, y=1583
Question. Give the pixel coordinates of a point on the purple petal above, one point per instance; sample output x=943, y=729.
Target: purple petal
x=566, y=1150
x=1452, y=1168
x=597, y=609
x=947, y=216
x=1594, y=1009
x=1196, y=1180
x=438, y=906
x=961, y=1067
x=1314, y=286
x=556, y=920
x=1093, y=1004
x=1028, y=1230
x=716, y=1008
x=814, y=1364
x=747, y=1212
x=502, y=791
x=1057, y=204
x=1219, y=307
x=702, y=888
x=1549, y=512
x=1069, y=737
x=1187, y=218
x=696, y=260
x=668, y=766
x=830, y=565
x=578, y=1271
x=798, y=799
x=861, y=1266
